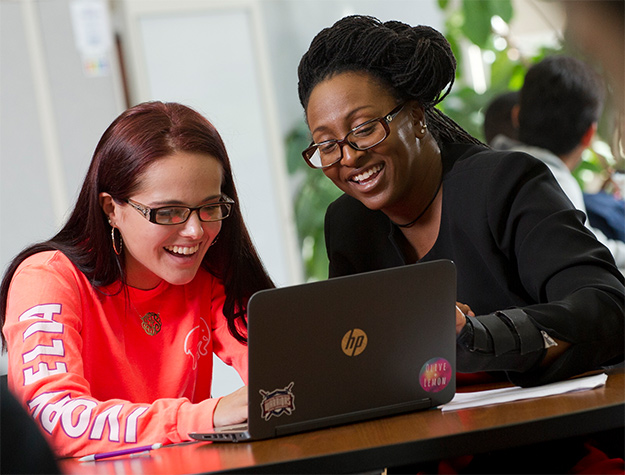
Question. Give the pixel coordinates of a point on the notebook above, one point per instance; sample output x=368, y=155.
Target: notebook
x=348, y=349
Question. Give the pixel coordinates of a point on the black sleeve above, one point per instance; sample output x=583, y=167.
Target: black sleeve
x=577, y=291
x=507, y=212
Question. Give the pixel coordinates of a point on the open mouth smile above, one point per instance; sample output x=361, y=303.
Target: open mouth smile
x=368, y=175
x=182, y=250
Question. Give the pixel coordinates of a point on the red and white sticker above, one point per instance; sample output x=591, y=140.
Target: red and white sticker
x=277, y=402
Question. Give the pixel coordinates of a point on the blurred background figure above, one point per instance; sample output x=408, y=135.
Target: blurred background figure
x=498, y=126
x=606, y=212
x=558, y=110
x=605, y=209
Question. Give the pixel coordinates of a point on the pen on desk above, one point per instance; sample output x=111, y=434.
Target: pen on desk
x=132, y=450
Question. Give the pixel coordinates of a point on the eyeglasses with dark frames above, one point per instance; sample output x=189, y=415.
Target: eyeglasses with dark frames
x=170, y=215
x=362, y=137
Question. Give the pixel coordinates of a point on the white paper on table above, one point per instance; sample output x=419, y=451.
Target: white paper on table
x=497, y=396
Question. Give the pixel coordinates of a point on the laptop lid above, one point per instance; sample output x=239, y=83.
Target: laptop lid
x=351, y=348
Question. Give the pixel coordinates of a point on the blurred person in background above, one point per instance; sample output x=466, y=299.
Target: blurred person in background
x=558, y=110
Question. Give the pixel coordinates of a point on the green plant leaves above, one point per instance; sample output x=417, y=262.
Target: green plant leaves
x=478, y=15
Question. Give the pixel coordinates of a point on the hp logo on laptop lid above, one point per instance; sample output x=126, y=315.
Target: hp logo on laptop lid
x=354, y=342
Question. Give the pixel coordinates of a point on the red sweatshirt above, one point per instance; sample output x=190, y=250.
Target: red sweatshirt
x=89, y=373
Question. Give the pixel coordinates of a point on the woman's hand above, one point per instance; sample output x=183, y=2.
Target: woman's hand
x=231, y=409
x=462, y=310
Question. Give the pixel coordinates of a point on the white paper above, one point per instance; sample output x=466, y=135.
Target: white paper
x=92, y=35
x=92, y=27
x=497, y=396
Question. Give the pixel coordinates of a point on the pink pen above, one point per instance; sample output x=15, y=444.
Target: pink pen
x=132, y=450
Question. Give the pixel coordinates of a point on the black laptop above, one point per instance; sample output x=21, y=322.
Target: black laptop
x=348, y=349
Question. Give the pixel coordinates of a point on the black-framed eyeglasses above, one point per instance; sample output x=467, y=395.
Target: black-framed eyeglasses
x=361, y=137
x=169, y=215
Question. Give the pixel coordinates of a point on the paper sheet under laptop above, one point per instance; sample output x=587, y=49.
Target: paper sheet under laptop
x=516, y=393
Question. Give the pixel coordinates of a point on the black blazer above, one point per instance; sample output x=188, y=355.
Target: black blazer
x=517, y=242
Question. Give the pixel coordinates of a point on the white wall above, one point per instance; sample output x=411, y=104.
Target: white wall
x=51, y=115
x=52, y=112
x=173, y=49
x=290, y=26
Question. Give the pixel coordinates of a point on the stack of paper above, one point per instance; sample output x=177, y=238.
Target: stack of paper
x=497, y=396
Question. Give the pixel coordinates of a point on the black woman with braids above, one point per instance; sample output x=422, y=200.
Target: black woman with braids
x=541, y=299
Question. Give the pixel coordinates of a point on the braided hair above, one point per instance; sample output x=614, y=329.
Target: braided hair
x=415, y=63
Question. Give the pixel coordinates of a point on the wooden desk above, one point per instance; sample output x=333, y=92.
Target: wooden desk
x=393, y=441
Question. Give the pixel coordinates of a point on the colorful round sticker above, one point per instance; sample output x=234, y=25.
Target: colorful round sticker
x=435, y=375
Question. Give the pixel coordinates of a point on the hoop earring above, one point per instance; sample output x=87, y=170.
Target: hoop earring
x=121, y=242
x=214, y=241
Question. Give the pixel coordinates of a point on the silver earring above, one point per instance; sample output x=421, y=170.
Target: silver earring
x=121, y=242
x=423, y=127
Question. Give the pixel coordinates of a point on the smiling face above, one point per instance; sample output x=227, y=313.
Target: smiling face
x=174, y=253
x=389, y=175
